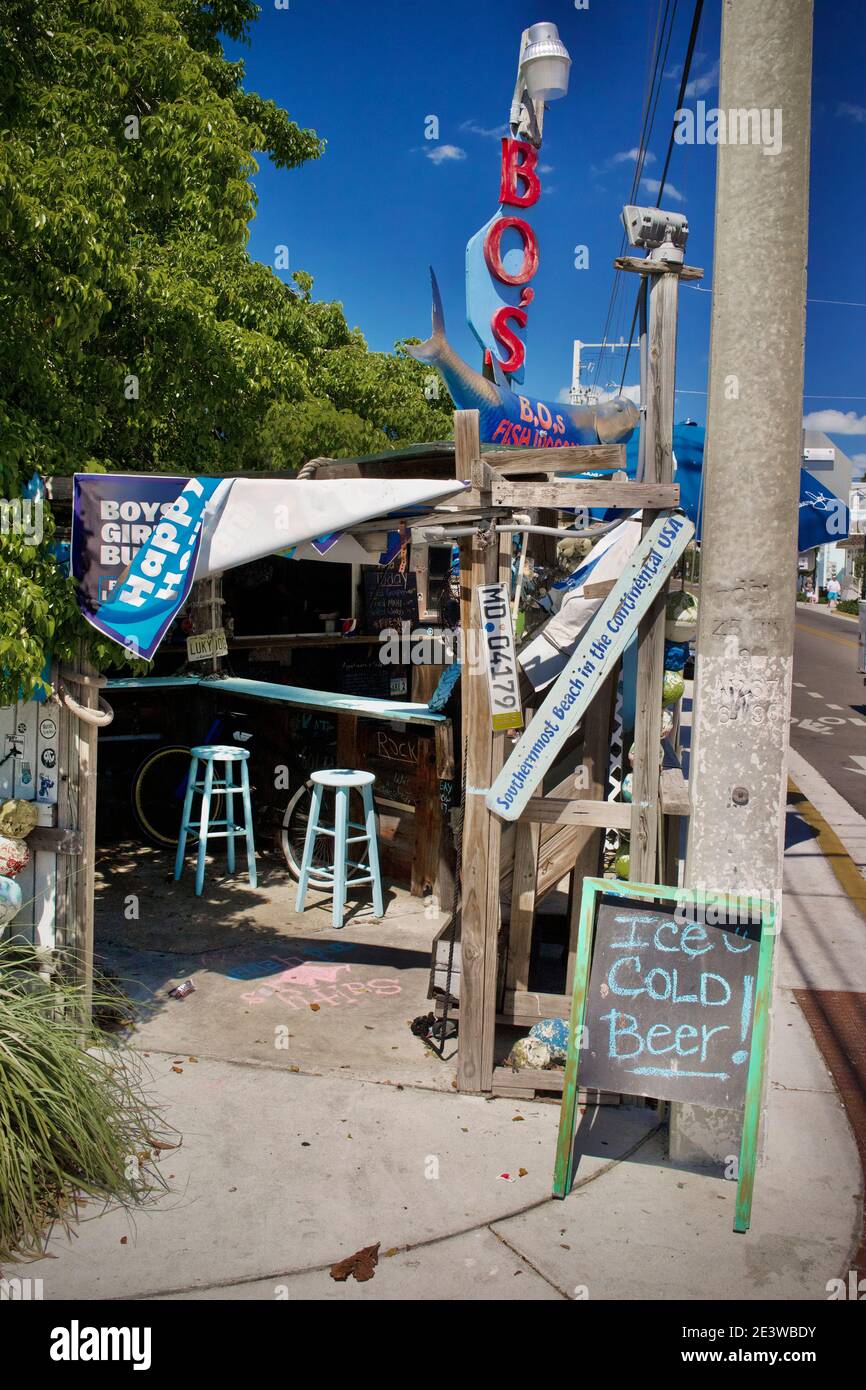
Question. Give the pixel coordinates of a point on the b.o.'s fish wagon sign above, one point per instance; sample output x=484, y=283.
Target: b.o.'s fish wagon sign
x=593, y=659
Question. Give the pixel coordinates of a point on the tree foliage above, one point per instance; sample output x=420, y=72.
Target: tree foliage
x=139, y=335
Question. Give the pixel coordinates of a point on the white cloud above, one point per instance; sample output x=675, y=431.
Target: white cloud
x=671, y=193
x=630, y=156
x=545, y=168
x=631, y=393
x=859, y=460
x=438, y=154
x=853, y=112
x=490, y=132
x=835, y=421
x=699, y=86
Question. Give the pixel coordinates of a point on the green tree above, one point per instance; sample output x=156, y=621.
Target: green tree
x=138, y=332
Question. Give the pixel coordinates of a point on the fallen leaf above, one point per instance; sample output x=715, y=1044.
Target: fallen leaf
x=123, y=1240
x=159, y=1144
x=389, y=1253
x=522, y=1172
x=192, y=1059
x=515, y=1118
x=315, y=1008
x=362, y=1265
x=179, y=1070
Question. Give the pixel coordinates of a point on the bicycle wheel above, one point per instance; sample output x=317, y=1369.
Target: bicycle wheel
x=158, y=790
x=293, y=833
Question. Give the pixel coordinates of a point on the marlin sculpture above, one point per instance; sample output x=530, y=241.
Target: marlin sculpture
x=520, y=420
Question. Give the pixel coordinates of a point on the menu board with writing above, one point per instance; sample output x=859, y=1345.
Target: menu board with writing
x=670, y=1004
x=390, y=599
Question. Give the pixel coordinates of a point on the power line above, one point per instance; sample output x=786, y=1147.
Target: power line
x=807, y=395
x=640, y=158
x=687, y=64
x=845, y=303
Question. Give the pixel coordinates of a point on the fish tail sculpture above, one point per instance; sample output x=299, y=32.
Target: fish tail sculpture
x=519, y=420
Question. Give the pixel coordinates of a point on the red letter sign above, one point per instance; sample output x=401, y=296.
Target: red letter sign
x=507, y=338
x=514, y=168
x=493, y=254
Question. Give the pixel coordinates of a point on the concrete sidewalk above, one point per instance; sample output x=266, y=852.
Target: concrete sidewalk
x=282, y=1172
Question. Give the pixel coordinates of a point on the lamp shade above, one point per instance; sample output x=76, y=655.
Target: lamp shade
x=545, y=63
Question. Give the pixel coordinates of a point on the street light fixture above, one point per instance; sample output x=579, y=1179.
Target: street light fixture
x=542, y=75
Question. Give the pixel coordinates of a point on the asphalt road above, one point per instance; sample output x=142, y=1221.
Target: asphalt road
x=828, y=708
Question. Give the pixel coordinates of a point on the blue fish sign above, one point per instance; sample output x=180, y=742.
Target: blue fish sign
x=515, y=420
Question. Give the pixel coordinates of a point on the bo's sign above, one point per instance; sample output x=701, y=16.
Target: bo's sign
x=502, y=258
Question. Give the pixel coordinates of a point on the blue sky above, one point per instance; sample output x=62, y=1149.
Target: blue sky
x=383, y=202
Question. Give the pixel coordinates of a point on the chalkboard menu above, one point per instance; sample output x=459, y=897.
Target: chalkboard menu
x=365, y=676
x=390, y=598
x=670, y=1004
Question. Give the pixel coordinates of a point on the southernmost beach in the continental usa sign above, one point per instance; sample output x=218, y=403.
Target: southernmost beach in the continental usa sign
x=593, y=658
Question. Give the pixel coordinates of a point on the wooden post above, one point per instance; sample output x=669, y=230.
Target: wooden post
x=658, y=448
x=481, y=831
x=596, y=757
x=76, y=811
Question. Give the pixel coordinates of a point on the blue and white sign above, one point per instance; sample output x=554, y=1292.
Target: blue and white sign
x=591, y=662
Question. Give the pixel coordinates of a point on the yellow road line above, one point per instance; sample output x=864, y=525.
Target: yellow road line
x=831, y=636
x=832, y=848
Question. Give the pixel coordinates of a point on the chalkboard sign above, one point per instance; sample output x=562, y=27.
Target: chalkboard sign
x=397, y=756
x=365, y=676
x=671, y=1000
x=669, y=1006
x=390, y=598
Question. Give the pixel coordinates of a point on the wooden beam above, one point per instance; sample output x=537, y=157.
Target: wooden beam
x=674, y=792
x=522, y=1084
x=524, y=891
x=483, y=753
x=580, y=492
x=55, y=841
x=613, y=815
x=658, y=464
x=640, y=266
x=596, y=762
x=576, y=458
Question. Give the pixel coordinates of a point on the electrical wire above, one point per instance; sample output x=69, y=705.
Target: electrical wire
x=640, y=157
x=693, y=34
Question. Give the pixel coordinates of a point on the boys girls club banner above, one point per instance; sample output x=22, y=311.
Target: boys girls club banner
x=138, y=542
x=593, y=658
x=135, y=542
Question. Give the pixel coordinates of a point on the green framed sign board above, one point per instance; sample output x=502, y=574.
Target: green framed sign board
x=672, y=990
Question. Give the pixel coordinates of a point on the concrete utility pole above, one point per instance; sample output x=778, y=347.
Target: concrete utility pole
x=751, y=483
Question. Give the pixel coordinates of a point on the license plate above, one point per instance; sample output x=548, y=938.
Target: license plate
x=207, y=644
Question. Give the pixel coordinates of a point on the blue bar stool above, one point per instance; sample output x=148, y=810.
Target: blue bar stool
x=342, y=780
x=205, y=829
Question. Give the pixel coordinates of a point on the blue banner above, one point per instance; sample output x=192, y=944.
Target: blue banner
x=135, y=540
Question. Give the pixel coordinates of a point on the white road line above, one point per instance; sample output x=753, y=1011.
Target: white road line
x=834, y=706
x=816, y=694
x=799, y=685
x=857, y=721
